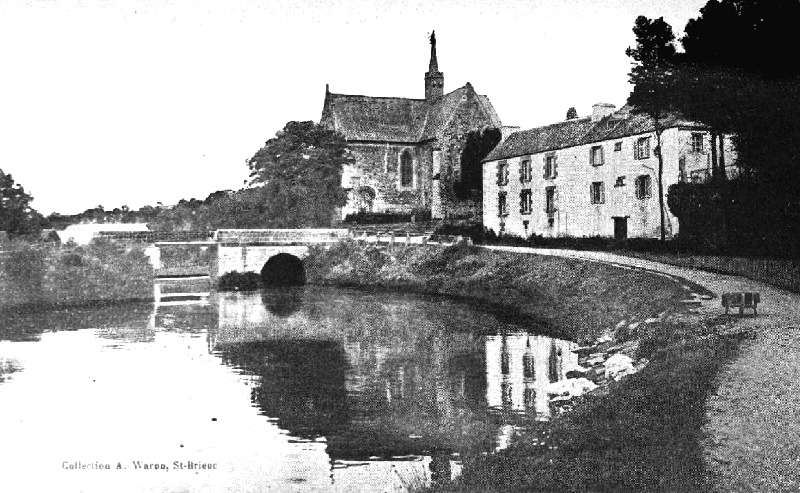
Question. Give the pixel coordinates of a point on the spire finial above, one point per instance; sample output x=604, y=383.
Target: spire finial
x=434, y=80
x=434, y=64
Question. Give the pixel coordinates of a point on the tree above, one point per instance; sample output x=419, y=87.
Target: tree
x=572, y=113
x=16, y=215
x=300, y=171
x=652, y=76
x=478, y=145
x=730, y=80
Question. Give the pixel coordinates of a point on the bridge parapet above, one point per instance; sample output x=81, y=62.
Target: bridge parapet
x=256, y=237
x=405, y=237
x=156, y=236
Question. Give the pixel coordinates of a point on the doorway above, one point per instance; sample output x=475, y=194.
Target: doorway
x=620, y=228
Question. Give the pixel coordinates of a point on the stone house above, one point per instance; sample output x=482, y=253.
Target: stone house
x=407, y=151
x=593, y=176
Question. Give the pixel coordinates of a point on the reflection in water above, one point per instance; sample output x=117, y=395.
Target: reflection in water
x=519, y=366
x=353, y=391
x=283, y=302
x=302, y=383
x=7, y=367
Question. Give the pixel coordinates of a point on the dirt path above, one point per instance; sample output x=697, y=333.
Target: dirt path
x=753, y=441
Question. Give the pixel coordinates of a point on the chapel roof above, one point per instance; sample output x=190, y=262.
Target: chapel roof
x=387, y=119
x=579, y=131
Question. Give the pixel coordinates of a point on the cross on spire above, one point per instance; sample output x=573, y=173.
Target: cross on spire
x=434, y=80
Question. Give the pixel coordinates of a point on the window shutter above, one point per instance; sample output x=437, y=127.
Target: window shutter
x=499, y=174
x=522, y=202
x=602, y=193
x=522, y=171
x=602, y=156
x=544, y=168
x=555, y=199
x=648, y=185
x=555, y=166
x=591, y=194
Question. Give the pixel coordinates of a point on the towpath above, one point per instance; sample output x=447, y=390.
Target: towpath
x=753, y=427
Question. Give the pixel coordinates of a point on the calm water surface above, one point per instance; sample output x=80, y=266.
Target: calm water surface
x=303, y=389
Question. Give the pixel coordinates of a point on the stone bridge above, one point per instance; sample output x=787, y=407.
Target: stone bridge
x=251, y=250
x=264, y=250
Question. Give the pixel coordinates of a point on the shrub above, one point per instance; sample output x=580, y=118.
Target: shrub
x=239, y=281
x=471, y=229
x=72, y=259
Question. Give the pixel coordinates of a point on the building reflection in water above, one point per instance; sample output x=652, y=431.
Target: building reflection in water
x=519, y=366
x=382, y=377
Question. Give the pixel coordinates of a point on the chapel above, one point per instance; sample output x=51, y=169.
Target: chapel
x=407, y=151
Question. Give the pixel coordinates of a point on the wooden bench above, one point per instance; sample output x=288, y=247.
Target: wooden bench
x=741, y=300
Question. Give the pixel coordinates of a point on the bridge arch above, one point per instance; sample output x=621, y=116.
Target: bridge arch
x=283, y=269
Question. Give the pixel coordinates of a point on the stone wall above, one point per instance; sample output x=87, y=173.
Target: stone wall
x=468, y=117
x=377, y=166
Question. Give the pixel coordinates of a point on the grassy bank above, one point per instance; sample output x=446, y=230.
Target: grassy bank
x=45, y=275
x=642, y=433
x=569, y=298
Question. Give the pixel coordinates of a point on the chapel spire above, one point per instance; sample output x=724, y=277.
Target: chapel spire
x=434, y=80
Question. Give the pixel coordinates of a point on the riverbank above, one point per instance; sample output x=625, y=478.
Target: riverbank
x=568, y=298
x=36, y=276
x=641, y=433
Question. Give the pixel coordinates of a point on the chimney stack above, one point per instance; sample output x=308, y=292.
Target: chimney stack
x=601, y=110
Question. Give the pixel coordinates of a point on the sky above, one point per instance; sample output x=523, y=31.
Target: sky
x=128, y=102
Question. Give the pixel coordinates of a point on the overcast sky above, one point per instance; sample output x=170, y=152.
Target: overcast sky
x=124, y=102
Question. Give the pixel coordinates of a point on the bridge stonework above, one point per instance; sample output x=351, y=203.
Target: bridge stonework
x=247, y=250
x=253, y=258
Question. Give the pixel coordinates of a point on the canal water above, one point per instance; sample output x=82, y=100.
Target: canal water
x=302, y=389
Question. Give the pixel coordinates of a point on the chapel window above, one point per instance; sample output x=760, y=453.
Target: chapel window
x=406, y=169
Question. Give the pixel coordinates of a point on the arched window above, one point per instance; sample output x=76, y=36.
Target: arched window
x=406, y=169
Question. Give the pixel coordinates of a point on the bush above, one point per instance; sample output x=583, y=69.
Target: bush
x=72, y=260
x=24, y=271
x=377, y=218
x=36, y=274
x=239, y=281
x=474, y=230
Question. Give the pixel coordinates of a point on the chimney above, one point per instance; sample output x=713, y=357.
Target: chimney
x=506, y=130
x=601, y=110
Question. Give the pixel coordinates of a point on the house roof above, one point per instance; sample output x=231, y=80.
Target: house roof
x=579, y=131
x=386, y=119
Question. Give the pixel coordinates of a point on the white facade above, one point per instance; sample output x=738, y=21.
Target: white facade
x=600, y=198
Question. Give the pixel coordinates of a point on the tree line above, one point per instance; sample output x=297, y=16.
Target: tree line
x=295, y=182
x=738, y=74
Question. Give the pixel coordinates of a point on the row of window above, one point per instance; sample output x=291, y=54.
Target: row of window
x=597, y=195
x=641, y=150
x=642, y=184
